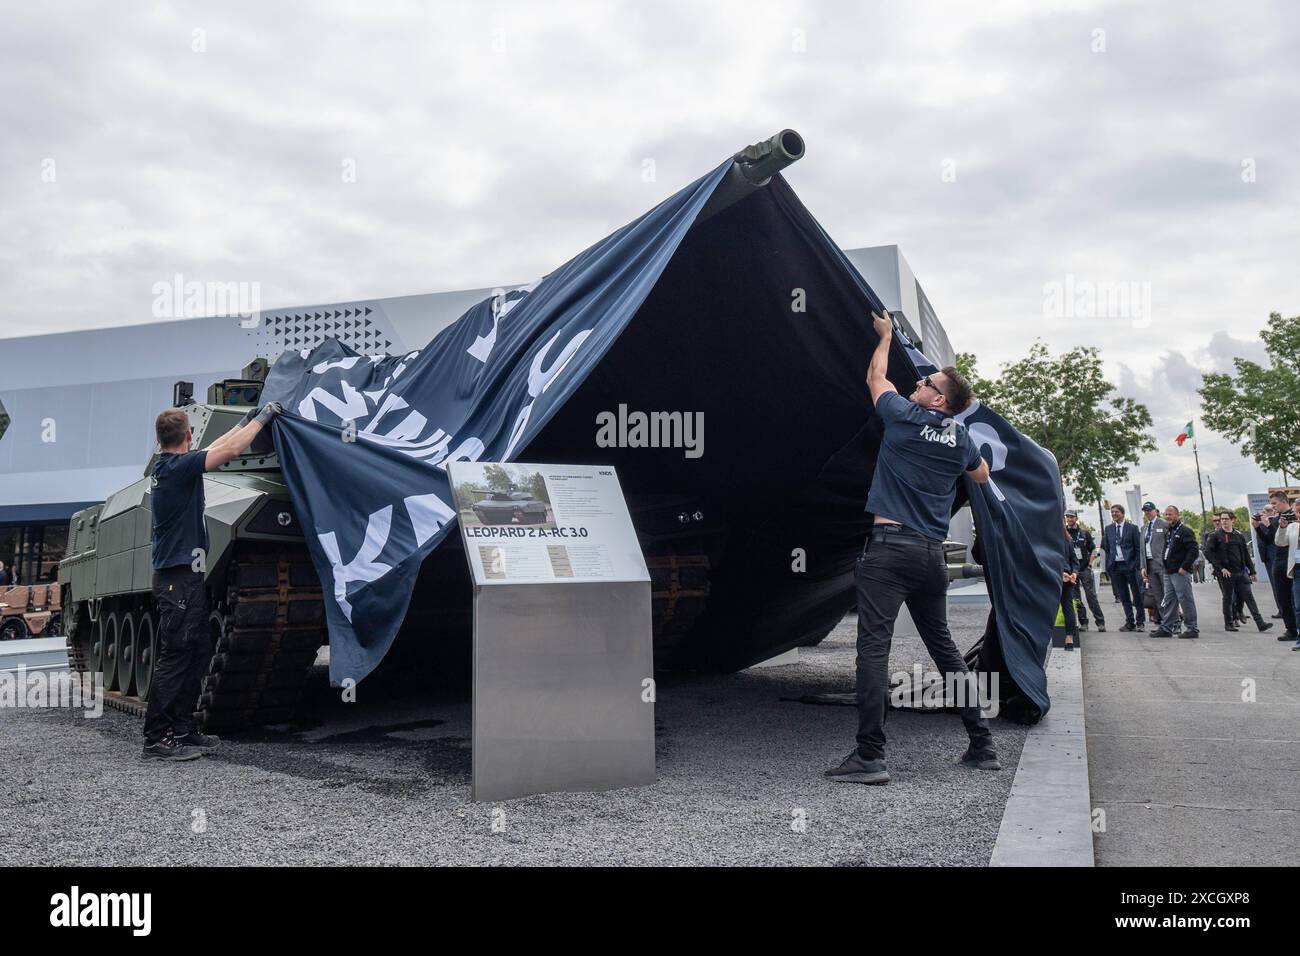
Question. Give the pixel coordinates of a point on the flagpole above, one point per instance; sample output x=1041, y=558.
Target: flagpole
x=1196, y=455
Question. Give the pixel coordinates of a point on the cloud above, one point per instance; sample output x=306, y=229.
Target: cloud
x=492, y=142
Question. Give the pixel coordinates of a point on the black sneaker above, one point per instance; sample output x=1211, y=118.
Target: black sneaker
x=983, y=759
x=1191, y=635
x=169, y=748
x=200, y=741
x=1288, y=637
x=857, y=769
x=1160, y=632
x=1128, y=627
x=1264, y=626
x=1230, y=627
x=1101, y=628
x=1083, y=625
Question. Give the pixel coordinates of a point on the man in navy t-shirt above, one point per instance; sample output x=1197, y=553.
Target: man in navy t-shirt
x=179, y=552
x=922, y=456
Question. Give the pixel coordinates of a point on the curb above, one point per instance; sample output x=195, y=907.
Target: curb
x=1047, y=821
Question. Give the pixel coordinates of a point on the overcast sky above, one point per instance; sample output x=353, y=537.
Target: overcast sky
x=333, y=151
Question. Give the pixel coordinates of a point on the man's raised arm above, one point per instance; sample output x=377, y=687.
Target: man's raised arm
x=230, y=445
x=877, y=380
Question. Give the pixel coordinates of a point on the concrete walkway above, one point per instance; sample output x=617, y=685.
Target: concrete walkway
x=1194, y=746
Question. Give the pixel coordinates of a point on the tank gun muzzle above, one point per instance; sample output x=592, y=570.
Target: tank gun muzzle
x=752, y=168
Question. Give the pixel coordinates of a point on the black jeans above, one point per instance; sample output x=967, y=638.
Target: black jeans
x=1282, y=586
x=900, y=567
x=1236, y=592
x=1069, y=595
x=184, y=652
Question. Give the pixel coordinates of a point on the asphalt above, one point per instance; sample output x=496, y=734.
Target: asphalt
x=1186, y=768
x=385, y=781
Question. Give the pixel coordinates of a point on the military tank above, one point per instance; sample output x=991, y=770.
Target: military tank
x=266, y=620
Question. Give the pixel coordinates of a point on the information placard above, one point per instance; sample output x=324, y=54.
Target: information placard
x=536, y=524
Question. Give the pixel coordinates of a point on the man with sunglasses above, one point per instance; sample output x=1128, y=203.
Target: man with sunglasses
x=923, y=455
x=179, y=555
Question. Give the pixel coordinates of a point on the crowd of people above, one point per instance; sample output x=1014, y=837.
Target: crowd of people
x=1152, y=569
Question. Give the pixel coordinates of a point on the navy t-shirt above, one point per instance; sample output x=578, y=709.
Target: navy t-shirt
x=178, y=527
x=920, y=460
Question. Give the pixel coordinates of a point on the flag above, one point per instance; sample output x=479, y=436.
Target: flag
x=751, y=320
x=1185, y=434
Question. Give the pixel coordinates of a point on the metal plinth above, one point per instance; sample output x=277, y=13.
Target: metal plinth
x=559, y=673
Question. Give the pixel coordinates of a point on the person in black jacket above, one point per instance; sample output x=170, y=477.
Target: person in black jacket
x=1181, y=552
x=1234, y=569
x=1081, y=546
x=1069, y=583
x=1273, y=533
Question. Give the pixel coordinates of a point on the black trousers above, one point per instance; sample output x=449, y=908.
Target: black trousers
x=900, y=567
x=184, y=652
x=1236, y=592
x=1129, y=583
x=1069, y=594
x=1282, y=589
x=1087, y=587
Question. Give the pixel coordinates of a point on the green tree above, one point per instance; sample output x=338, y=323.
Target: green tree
x=497, y=478
x=1066, y=405
x=1258, y=408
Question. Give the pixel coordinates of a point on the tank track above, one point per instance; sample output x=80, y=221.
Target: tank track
x=267, y=624
x=679, y=591
x=271, y=624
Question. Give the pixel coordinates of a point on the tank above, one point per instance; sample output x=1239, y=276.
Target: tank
x=266, y=621
x=710, y=557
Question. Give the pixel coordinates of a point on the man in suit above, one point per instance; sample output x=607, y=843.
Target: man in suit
x=1153, y=562
x=1081, y=547
x=1121, y=554
x=1235, y=571
x=1181, y=552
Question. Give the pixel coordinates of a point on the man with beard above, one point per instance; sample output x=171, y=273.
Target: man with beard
x=1181, y=552
x=923, y=455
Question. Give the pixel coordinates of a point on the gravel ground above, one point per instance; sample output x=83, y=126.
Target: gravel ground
x=387, y=782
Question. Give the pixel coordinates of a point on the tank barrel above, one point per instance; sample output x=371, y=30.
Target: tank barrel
x=957, y=572
x=752, y=168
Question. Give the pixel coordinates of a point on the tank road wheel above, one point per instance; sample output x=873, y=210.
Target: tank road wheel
x=110, y=649
x=95, y=659
x=146, y=649
x=126, y=652
x=13, y=629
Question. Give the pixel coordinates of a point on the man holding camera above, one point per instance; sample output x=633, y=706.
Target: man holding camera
x=1234, y=569
x=1274, y=533
x=923, y=455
